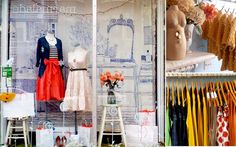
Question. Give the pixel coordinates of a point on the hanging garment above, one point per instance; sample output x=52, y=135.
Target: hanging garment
x=180, y=125
x=194, y=116
x=51, y=85
x=231, y=42
x=199, y=121
x=212, y=115
x=184, y=135
x=232, y=122
x=226, y=44
x=168, y=128
x=205, y=29
x=219, y=36
x=189, y=121
x=78, y=92
x=205, y=121
x=174, y=127
x=222, y=127
x=211, y=42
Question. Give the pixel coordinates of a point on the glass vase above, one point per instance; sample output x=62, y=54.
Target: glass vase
x=111, y=98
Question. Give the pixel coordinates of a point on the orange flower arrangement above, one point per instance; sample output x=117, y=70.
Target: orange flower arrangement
x=209, y=10
x=110, y=80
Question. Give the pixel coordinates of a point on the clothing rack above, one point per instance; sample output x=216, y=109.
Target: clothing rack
x=199, y=75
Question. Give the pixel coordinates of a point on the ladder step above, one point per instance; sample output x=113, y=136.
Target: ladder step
x=112, y=133
x=16, y=127
x=16, y=137
x=112, y=120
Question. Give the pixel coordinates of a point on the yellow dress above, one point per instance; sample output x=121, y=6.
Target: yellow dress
x=205, y=122
x=194, y=117
x=199, y=122
x=189, y=121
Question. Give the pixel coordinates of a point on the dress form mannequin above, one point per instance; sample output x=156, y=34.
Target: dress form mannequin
x=77, y=54
x=49, y=59
x=78, y=93
x=176, y=41
x=51, y=39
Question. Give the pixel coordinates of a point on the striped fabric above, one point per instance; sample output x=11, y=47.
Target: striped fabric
x=53, y=52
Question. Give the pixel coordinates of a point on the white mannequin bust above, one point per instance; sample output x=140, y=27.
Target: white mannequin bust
x=77, y=54
x=51, y=39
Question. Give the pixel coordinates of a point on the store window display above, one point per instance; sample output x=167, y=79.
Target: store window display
x=125, y=43
x=50, y=83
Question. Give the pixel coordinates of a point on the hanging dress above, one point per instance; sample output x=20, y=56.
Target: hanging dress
x=50, y=83
x=199, y=121
x=189, y=120
x=79, y=90
x=222, y=126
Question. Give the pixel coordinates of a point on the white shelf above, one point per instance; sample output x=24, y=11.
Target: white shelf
x=190, y=61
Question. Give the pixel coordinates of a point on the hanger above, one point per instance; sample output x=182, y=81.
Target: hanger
x=227, y=10
x=167, y=94
x=233, y=86
x=233, y=11
x=187, y=92
x=196, y=87
x=218, y=93
x=222, y=8
x=197, y=93
x=208, y=97
x=177, y=90
x=202, y=92
x=212, y=95
x=182, y=94
x=223, y=93
x=192, y=89
x=216, y=99
x=173, y=93
x=231, y=91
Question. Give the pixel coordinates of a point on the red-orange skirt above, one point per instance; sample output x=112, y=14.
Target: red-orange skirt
x=51, y=85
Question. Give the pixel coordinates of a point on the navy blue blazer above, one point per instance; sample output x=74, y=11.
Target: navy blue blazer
x=43, y=51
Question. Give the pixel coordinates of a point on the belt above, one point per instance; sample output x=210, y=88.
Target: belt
x=75, y=69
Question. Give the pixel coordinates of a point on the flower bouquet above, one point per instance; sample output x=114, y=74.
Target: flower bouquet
x=111, y=81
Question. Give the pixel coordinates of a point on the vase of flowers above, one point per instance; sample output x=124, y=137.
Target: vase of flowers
x=111, y=82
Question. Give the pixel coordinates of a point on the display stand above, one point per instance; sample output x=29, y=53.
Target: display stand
x=46, y=111
x=76, y=126
x=12, y=125
x=105, y=119
x=17, y=117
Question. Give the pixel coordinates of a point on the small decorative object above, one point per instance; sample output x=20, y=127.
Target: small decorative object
x=188, y=30
x=111, y=81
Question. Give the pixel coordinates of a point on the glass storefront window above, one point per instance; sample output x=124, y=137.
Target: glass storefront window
x=125, y=55
x=126, y=46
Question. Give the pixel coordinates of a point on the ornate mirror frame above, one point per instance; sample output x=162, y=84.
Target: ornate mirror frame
x=122, y=22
